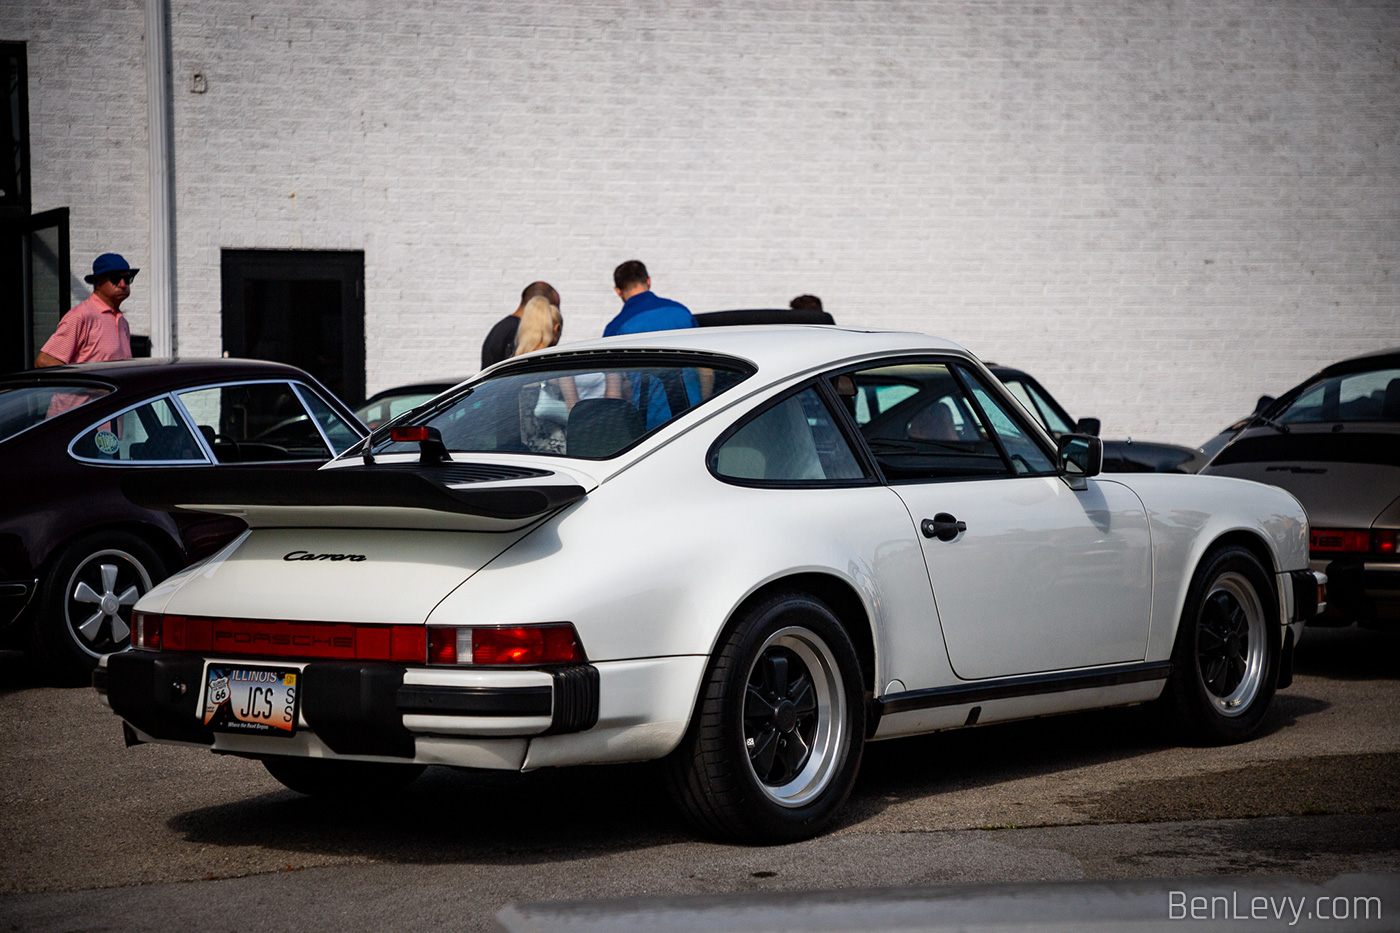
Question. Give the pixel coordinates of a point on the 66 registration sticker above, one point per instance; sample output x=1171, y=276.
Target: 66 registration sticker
x=257, y=700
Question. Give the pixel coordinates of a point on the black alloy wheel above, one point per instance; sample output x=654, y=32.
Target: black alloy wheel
x=775, y=744
x=1225, y=661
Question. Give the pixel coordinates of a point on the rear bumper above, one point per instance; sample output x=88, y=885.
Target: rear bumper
x=357, y=709
x=1361, y=591
x=1311, y=592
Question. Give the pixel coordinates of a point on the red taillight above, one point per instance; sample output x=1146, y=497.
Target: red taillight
x=1353, y=541
x=449, y=645
x=521, y=645
x=1339, y=541
x=146, y=630
x=409, y=434
x=279, y=639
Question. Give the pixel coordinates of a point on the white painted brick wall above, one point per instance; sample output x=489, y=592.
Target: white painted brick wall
x=1162, y=209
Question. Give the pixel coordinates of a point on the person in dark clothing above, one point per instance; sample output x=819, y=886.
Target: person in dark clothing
x=500, y=341
x=806, y=303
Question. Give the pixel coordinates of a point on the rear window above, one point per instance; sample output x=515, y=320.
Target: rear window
x=592, y=409
x=1371, y=396
x=22, y=407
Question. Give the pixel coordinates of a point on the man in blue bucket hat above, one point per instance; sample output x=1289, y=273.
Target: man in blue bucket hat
x=95, y=329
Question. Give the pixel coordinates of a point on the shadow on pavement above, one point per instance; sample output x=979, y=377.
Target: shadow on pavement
x=1352, y=653
x=449, y=816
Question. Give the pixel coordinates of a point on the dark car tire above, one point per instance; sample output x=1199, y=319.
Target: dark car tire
x=774, y=746
x=332, y=779
x=1225, y=662
x=84, y=609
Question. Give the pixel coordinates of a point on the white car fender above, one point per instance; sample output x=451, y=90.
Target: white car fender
x=1181, y=538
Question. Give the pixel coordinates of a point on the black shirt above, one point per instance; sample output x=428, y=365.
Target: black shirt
x=500, y=342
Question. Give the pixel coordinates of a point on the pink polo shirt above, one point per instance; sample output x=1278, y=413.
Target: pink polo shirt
x=91, y=331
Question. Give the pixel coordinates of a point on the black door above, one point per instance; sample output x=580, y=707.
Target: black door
x=36, y=290
x=35, y=287
x=304, y=307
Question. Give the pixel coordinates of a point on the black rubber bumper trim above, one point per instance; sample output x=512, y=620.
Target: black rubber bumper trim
x=576, y=694
x=157, y=693
x=1304, y=594
x=475, y=701
x=571, y=701
x=1030, y=685
x=351, y=707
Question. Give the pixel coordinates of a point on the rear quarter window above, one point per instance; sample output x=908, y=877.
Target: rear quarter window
x=22, y=407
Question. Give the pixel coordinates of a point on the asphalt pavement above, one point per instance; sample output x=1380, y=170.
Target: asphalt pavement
x=98, y=836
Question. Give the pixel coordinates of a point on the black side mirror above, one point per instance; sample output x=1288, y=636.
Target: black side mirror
x=1081, y=456
x=1089, y=426
x=1264, y=402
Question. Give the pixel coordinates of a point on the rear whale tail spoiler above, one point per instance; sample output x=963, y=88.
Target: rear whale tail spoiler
x=359, y=498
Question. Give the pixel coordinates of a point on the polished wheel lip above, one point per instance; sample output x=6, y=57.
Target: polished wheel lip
x=1231, y=644
x=94, y=599
x=822, y=730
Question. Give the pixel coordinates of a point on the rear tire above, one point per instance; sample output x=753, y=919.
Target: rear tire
x=773, y=750
x=1226, y=659
x=85, y=601
x=332, y=779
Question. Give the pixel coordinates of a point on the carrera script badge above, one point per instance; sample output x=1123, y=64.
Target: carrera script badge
x=307, y=555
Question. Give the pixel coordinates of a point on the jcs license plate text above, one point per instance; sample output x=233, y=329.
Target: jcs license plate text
x=251, y=700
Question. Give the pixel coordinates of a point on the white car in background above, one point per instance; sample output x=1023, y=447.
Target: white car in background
x=746, y=551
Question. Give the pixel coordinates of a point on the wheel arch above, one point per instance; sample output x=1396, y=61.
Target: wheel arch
x=157, y=538
x=839, y=595
x=1249, y=540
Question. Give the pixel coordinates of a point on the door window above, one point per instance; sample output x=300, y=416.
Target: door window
x=340, y=434
x=919, y=423
x=1026, y=455
x=255, y=422
x=1036, y=403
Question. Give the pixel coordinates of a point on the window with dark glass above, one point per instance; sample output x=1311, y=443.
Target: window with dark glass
x=150, y=433
x=793, y=441
x=262, y=421
x=593, y=409
x=920, y=423
x=1368, y=396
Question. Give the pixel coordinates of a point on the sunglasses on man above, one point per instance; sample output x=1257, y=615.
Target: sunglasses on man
x=116, y=277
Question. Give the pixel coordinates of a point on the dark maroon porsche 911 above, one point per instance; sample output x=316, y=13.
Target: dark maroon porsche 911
x=75, y=553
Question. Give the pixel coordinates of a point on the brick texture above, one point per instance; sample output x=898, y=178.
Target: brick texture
x=1162, y=209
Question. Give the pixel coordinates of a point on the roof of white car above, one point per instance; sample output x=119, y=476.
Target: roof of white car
x=774, y=348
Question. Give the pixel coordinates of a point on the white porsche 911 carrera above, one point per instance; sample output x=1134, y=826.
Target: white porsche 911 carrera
x=746, y=551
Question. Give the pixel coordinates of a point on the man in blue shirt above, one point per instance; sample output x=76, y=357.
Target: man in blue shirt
x=642, y=310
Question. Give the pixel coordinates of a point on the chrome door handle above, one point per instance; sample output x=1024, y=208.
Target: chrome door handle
x=942, y=526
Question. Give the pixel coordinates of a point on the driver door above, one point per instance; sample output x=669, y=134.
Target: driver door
x=1039, y=577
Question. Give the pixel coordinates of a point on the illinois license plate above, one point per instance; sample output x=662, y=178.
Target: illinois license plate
x=251, y=700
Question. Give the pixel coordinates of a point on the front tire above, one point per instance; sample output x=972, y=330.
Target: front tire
x=1226, y=658
x=776, y=742
x=84, y=609
x=341, y=780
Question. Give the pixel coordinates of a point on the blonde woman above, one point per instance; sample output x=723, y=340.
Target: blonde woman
x=540, y=326
x=544, y=410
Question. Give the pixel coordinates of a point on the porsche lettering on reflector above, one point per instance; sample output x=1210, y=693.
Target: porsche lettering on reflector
x=256, y=700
